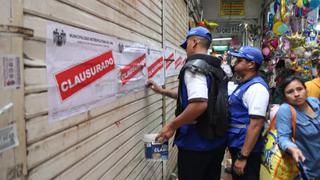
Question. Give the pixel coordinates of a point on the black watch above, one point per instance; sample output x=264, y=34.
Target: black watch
x=240, y=156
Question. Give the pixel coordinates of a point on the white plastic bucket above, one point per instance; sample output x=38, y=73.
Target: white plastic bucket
x=153, y=150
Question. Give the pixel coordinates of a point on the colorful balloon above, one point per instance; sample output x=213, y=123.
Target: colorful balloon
x=274, y=43
x=279, y=28
x=270, y=20
x=299, y=3
x=283, y=10
x=272, y=8
x=201, y=23
x=210, y=25
x=266, y=51
x=305, y=3
x=314, y=4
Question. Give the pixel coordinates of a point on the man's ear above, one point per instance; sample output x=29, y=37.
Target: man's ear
x=252, y=65
x=195, y=41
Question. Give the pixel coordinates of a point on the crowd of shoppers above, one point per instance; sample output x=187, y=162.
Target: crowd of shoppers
x=200, y=157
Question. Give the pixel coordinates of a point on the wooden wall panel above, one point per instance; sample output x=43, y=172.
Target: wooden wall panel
x=104, y=142
x=175, y=27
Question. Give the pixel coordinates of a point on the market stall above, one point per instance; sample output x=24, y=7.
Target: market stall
x=291, y=38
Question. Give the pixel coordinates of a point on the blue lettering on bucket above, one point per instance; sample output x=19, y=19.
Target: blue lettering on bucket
x=156, y=151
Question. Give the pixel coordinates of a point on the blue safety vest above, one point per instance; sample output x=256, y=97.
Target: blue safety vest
x=188, y=137
x=239, y=116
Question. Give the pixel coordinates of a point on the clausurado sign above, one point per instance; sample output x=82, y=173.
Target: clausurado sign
x=81, y=75
x=81, y=69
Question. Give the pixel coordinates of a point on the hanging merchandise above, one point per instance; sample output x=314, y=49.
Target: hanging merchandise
x=270, y=20
x=274, y=43
x=299, y=3
x=284, y=45
x=210, y=25
x=305, y=3
x=291, y=35
x=207, y=24
x=266, y=51
x=280, y=28
x=283, y=10
x=314, y=4
x=271, y=8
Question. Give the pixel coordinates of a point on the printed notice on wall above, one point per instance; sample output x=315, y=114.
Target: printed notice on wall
x=131, y=62
x=8, y=138
x=155, y=65
x=169, y=61
x=81, y=70
x=179, y=61
x=11, y=71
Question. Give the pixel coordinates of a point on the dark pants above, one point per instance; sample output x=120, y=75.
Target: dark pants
x=252, y=169
x=200, y=165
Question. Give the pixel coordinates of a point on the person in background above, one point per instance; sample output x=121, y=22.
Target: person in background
x=307, y=145
x=247, y=108
x=213, y=52
x=225, y=66
x=199, y=158
x=281, y=73
x=313, y=86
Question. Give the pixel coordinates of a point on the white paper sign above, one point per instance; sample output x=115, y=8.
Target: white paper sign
x=179, y=61
x=155, y=65
x=81, y=70
x=131, y=62
x=169, y=61
x=8, y=138
x=10, y=71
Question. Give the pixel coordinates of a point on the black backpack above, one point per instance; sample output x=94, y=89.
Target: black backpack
x=213, y=122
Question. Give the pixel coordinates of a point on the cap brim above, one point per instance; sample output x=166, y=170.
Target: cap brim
x=184, y=44
x=236, y=54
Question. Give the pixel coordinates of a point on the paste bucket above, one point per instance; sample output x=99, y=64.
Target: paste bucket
x=153, y=150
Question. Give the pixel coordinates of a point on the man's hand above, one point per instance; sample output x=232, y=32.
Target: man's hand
x=239, y=166
x=154, y=86
x=296, y=154
x=166, y=133
x=158, y=89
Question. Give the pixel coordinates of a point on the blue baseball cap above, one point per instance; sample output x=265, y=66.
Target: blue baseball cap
x=249, y=53
x=197, y=31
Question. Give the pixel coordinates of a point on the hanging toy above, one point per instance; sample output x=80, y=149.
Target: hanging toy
x=266, y=51
x=314, y=4
x=272, y=8
x=299, y=3
x=280, y=28
x=294, y=24
x=201, y=23
x=276, y=6
x=305, y=3
x=284, y=45
x=274, y=43
x=210, y=25
x=305, y=11
x=283, y=10
x=270, y=20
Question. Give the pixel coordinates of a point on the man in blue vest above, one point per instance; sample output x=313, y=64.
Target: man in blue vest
x=199, y=157
x=247, y=107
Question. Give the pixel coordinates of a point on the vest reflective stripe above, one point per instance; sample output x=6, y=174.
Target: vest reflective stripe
x=239, y=116
x=240, y=126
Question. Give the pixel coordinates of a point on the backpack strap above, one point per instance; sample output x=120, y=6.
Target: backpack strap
x=293, y=123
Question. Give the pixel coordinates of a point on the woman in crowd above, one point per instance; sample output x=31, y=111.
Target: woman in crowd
x=306, y=148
